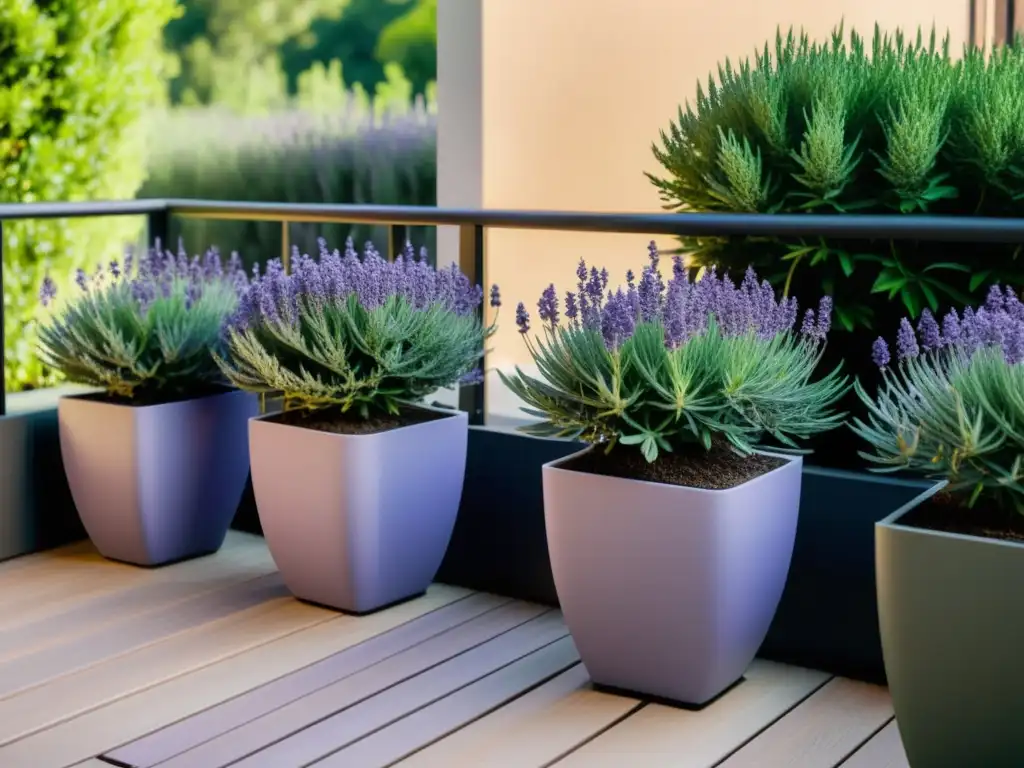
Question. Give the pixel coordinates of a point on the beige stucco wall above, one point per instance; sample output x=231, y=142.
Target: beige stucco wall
x=553, y=104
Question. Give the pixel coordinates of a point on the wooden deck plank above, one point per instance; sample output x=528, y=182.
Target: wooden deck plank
x=57, y=583
x=885, y=750
x=354, y=722
x=190, y=733
x=675, y=738
x=96, y=686
x=387, y=745
x=21, y=563
x=822, y=731
x=294, y=717
x=122, y=637
x=178, y=585
x=532, y=731
x=266, y=647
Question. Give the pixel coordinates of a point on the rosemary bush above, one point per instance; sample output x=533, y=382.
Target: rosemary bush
x=952, y=407
x=687, y=364
x=144, y=329
x=891, y=126
x=361, y=334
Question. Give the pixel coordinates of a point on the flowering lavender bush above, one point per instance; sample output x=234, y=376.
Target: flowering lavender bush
x=363, y=334
x=358, y=153
x=144, y=329
x=952, y=404
x=663, y=366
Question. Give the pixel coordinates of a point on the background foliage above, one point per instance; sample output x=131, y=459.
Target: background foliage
x=251, y=56
x=351, y=150
x=76, y=77
x=894, y=125
x=297, y=100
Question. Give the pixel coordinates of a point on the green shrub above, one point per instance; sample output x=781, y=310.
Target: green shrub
x=894, y=127
x=75, y=78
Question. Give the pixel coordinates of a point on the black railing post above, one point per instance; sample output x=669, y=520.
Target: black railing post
x=3, y=348
x=157, y=228
x=471, y=262
x=397, y=235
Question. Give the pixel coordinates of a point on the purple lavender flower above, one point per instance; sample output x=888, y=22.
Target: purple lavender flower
x=522, y=318
x=809, y=327
x=906, y=341
x=571, y=310
x=617, y=321
x=824, y=318
x=495, y=297
x=547, y=307
x=683, y=307
x=47, y=291
x=880, y=353
x=950, y=329
x=928, y=330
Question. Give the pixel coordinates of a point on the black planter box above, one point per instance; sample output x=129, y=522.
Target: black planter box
x=827, y=618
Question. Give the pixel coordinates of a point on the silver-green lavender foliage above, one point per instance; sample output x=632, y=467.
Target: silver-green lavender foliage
x=952, y=407
x=362, y=334
x=690, y=363
x=144, y=329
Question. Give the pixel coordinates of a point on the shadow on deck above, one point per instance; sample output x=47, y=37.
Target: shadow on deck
x=211, y=663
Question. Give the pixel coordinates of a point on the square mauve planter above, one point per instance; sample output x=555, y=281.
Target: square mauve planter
x=154, y=484
x=358, y=522
x=668, y=591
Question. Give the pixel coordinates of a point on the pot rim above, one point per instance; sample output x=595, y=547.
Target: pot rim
x=891, y=522
x=90, y=397
x=790, y=461
x=446, y=413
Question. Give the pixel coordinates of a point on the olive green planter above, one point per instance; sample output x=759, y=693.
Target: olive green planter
x=951, y=614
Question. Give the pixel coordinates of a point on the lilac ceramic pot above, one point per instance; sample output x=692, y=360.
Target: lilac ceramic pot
x=358, y=522
x=154, y=484
x=669, y=591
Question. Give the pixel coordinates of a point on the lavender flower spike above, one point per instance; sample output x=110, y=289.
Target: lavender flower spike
x=928, y=328
x=906, y=341
x=495, y=296
x=47, y=291
x=547, y=307
x=522, y=318
x=880, y=353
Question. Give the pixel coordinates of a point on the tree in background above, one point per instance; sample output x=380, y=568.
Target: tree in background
x=411, y=41
x=76, y=78
x=250, y=56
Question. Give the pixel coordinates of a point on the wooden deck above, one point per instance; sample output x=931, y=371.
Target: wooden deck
x=211, y=663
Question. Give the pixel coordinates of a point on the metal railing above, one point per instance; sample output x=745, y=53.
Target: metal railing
x=472, y=223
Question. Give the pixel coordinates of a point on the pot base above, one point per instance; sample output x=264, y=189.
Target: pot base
x=667, y=702
x=369, y=611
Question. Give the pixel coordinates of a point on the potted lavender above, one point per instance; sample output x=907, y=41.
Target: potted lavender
x=156, y=460
x=950, y=564
x=357, y=482
x=670, y=537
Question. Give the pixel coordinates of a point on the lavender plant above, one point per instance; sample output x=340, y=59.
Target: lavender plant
x=356, y=153
x=952, y=404
x=363, y=334
x=670, y=366
x=144, y=328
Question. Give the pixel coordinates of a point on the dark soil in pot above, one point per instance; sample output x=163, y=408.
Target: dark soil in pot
x=335, y=421
x=715, y=470
x=144, y=398
x=943, y=512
